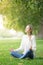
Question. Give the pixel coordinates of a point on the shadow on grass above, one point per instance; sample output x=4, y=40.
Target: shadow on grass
x=39, y=58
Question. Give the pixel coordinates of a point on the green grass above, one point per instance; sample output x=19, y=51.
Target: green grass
x=7, y=59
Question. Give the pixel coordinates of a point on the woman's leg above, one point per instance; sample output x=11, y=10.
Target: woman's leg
x=16, y=54
x=28, y=54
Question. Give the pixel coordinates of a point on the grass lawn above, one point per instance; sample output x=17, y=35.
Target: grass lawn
x=7, y=59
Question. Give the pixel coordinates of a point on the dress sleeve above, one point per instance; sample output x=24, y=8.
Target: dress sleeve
x=34, y=43
x=21, y=45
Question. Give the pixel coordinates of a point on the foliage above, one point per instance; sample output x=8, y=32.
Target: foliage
x=22, y=12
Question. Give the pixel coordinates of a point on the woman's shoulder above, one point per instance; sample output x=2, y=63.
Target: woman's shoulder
x=24, y=36
x=33, y=36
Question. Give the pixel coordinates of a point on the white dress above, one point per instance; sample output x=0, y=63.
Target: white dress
x=26, y=43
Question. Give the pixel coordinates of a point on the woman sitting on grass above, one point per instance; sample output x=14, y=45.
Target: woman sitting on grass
x=28, y=45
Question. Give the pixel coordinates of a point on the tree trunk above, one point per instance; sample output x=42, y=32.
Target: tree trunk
x=40, y=34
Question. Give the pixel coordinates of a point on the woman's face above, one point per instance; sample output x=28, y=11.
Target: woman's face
x=27, y=30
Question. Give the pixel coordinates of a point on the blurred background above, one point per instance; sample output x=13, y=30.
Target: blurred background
x=16, y=14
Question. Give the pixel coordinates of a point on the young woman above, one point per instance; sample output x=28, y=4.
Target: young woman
x=28, y=45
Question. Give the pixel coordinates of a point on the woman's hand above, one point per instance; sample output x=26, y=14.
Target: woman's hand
x=12, y=50
x=31, y=48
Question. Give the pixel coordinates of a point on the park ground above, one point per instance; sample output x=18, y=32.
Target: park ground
x=7, y=59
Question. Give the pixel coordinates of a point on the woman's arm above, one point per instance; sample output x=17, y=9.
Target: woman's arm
x=21, y=46
x=33, y=43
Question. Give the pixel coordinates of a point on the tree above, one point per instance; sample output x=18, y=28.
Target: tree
x=22, y=12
